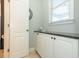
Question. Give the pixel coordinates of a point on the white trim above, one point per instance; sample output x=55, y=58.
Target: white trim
x=6, y=28
x=62, y=22
x=71, y=15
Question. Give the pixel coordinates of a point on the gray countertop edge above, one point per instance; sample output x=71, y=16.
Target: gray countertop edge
x=69, y=35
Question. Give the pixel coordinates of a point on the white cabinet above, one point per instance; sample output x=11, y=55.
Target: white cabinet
x=52, y=46
x=65, y=47
x=45, y=45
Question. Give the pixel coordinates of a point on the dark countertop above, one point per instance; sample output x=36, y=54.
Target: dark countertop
x=70, y=35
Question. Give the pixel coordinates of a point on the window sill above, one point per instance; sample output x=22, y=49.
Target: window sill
x=62, y=22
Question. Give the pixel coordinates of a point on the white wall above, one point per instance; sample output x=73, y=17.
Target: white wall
x=68, y=28
x=35, y=23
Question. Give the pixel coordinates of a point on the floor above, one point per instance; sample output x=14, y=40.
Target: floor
x=32, y=54
x=1, y=53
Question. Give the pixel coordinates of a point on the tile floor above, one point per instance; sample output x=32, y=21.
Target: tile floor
x=1, y=53
x=32, y=54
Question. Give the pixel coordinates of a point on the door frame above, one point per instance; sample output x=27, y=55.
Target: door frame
x=6, y=28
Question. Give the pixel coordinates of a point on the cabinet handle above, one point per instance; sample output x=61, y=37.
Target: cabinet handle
x=54, y=38
x=51, y=37
x=27, y=30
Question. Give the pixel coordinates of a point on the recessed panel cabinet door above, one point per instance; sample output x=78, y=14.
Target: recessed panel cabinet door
x=45, y=45
x=48, y=46
x=65, y=47
x=39, y=45
x=19, y=28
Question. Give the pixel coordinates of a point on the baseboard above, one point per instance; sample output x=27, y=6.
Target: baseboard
x=31, y=49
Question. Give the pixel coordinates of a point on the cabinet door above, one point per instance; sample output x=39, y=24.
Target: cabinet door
x=45, y=45
x=66, y=47
x=39, y=44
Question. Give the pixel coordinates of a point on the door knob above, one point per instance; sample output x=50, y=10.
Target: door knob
x=27, y=30
x=2, y=36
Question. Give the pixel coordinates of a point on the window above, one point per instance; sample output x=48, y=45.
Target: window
x=61, y=10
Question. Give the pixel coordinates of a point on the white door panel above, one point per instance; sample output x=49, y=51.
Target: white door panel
x=19, y=23
x=65, y=47
x=45, y=45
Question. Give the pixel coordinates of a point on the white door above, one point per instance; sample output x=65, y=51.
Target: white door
x=48, y=46
x=66, y=47
x=19, y=26
x=40, y=44
x=45, y=45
